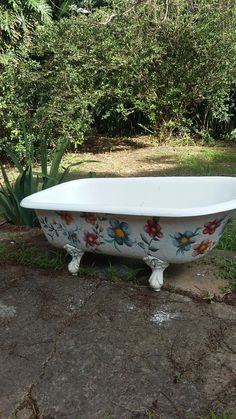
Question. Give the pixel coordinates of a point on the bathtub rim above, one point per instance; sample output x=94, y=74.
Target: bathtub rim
x=225, y=206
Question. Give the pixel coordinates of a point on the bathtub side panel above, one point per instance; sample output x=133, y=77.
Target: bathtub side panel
x=174, y=240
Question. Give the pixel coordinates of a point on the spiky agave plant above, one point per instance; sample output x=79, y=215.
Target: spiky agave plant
x=28, y=182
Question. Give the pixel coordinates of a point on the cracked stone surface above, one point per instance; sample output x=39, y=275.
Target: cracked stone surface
x=35, y=306
x=91, y=349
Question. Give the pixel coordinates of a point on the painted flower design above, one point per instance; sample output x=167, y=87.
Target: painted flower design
x=67, y=217
x=184, y=240
x=91, y=239
x=211, y=226
x=90, y=218
x=201, y=248
x=153, y=228
x=72, y=237
x=119, y=231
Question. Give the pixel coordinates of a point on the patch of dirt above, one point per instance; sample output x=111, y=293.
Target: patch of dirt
x=199, y=279
x=139, y=156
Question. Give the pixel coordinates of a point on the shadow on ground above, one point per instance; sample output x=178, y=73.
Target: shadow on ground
x=112, y=144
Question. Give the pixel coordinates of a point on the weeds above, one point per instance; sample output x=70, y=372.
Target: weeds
x=228, y=271
x=221, y=415
x=206, y=162
x=123, y=274
x=228, y=240
x=33, y=256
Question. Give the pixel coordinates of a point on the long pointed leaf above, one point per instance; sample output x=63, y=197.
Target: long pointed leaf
x=67, y=169
x=14, y=158
x=5, y=206
x=54, y=170
x=29, y=147
x=43, y=158
x=5, y=177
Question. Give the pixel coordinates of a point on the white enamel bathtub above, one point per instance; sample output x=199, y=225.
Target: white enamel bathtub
x=161, y=220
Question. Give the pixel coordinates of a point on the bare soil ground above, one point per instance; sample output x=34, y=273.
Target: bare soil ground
x=143, y=156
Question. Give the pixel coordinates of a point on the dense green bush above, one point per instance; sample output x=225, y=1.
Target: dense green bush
x=130, y=65
x=18, y=18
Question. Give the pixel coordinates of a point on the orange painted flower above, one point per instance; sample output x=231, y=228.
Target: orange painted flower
x=201, y=248
x=67, y=217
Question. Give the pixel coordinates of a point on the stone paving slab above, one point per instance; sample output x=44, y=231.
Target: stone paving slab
x=90, y=349
x=35, y=305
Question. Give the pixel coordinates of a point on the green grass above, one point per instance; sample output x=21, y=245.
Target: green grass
x=228, y=240
x=33, y=256
x=228, y=271
x=207, y=162
x=221, y=415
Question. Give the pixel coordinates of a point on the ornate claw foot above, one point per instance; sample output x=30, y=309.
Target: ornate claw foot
x=76, y=255
x=157, y=266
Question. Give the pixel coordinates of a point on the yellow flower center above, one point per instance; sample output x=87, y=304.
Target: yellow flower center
x=119, y=233
x=202, y=248
x=184, y=240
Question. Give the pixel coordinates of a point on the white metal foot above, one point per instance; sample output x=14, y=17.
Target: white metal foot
x=76, y=255
x=158, y=266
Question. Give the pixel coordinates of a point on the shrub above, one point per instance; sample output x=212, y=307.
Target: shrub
x=126, y=66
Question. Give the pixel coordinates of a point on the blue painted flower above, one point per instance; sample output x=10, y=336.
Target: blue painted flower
x=119, y=231
x=184, y=240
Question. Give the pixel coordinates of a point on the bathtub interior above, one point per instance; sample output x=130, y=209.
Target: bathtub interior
x=172, y=196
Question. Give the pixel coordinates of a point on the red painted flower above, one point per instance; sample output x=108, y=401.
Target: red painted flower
x=211, y=227
x=67, y=217
x=153, y=228
x=201, y=248
x=91, y=239
x=90, y=218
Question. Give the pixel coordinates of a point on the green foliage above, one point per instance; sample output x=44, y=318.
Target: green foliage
x=33, y=256
x=17, y=18
x=228, y=271
x=11, y=195
x=232, y=135
x=164, y=66
x=228, y=240
x=29, y=182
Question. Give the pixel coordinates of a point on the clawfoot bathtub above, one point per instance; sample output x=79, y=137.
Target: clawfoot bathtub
x=161, y=220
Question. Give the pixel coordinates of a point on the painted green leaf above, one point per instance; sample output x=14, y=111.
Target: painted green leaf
x=179, y=251
x=153, y=249
x=144, y=238
x=141, y=244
